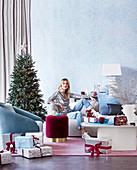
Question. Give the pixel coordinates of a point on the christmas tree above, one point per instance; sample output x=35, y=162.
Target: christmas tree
x=24, y=89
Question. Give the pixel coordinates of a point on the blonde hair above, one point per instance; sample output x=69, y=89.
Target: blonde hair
x=67, y=92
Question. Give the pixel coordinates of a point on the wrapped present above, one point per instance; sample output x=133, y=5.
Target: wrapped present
x=35, y=151
x=91, y=119
x=37, y=138
x=5, y=157
x=9, y=141
x=98, y=146
x=23, y=142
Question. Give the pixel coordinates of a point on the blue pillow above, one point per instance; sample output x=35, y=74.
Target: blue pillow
x=104, y=100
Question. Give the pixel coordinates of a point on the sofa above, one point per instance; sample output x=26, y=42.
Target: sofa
x=73, y=130
x=105, y=106
x=15, y=120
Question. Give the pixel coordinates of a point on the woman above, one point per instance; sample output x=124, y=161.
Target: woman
x=60, y=102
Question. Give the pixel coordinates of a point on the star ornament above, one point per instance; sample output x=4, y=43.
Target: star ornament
x=23, y=48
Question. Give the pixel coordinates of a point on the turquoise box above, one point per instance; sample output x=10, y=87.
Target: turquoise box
x=23, y=142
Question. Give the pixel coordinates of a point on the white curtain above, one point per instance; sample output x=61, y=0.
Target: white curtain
x=15, y=26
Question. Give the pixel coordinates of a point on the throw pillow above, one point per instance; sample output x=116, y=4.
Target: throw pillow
x=104, y=100
x=114, y=109
x=8, y=107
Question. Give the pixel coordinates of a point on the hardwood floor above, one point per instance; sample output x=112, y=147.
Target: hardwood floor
x=72, y=163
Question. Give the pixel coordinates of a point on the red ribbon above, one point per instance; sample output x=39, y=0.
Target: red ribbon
x=40, y=149
x=12, y=149
x=34, y=138
x=88, y=113
x=96, y=148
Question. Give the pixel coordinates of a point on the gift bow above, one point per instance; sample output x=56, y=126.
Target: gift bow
x=88, y=113
x=96, y=148
x=92, y=149
x=10, y=145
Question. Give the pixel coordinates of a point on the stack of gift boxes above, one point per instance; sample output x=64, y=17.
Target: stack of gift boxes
x=29, y=146
x=90, y=117
x=96, y=145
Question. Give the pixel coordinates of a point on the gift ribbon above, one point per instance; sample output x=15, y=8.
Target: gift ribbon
x=40, y=150
x=35, y=138
x=96, y=148
x=88, y=113
x=11, y=145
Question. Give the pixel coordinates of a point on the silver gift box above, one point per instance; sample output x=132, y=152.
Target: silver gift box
x=35, y=152
x=107, y=142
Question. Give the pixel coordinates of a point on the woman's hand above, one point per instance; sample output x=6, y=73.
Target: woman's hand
x=62, y=107
x=94, y=100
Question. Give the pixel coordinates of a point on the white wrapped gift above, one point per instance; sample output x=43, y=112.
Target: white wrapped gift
x=35, y=151
x=9, y=138
x=38, y=137
x=104, y=148
x=5, y=158
x=90, y=119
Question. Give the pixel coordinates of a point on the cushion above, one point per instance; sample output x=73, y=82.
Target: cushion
x=8, y=107
x=104, y=100
x=114, y=109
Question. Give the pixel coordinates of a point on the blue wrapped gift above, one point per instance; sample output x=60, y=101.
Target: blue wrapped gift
x=24, y=142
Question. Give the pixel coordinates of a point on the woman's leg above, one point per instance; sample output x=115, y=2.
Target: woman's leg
x=76, y=115
x=78, y=107
x=80, y=104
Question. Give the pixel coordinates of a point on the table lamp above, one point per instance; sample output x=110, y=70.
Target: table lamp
x=112, y=71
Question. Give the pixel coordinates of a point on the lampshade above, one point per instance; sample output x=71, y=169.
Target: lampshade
x=111, y=70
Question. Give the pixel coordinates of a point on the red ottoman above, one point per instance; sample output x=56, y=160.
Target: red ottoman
x=57, y=128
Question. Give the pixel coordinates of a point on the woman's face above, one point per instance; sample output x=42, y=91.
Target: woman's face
x=65, y=85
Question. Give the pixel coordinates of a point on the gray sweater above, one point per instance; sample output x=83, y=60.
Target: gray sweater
x=58, y=98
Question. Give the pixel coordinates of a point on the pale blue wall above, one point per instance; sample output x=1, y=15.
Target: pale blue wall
x=72, y=38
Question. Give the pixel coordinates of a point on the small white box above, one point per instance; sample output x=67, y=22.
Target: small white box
x=5, y=158
x=90, y=119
